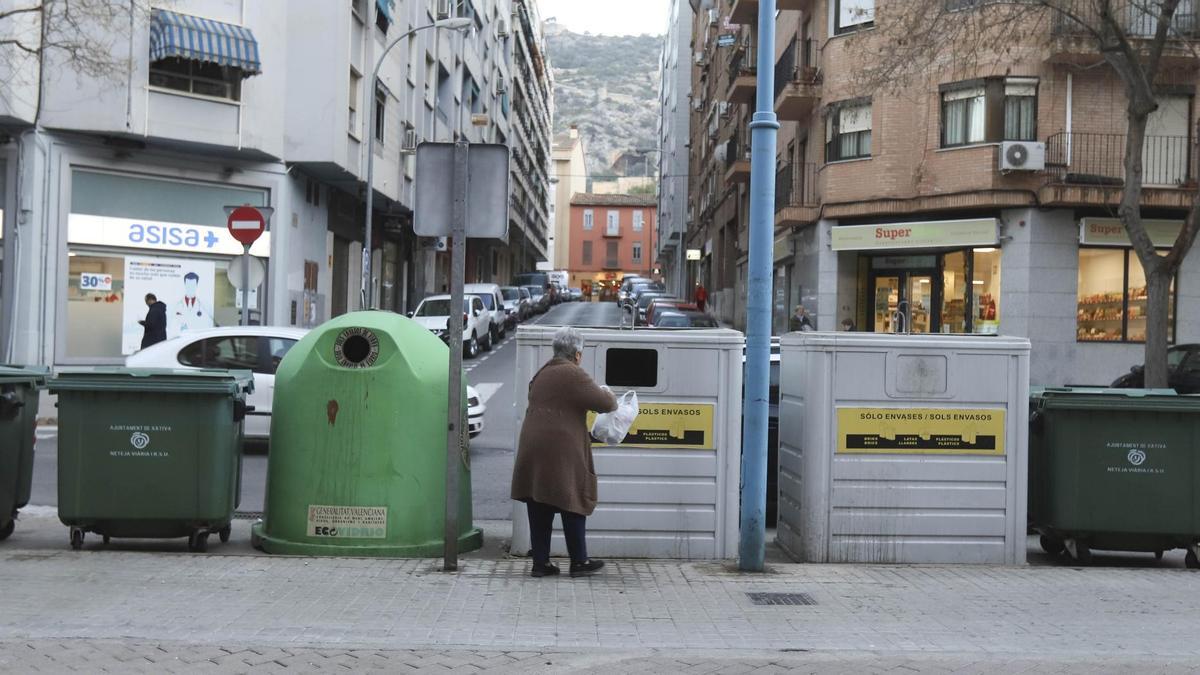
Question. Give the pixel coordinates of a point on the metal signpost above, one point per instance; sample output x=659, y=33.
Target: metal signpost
x=475, y=205
x=246, y=224
x=764, y=127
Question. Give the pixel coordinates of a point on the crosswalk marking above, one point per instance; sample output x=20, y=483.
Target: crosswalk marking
x=487, y=390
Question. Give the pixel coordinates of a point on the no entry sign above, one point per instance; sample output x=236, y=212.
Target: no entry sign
x=246, y=224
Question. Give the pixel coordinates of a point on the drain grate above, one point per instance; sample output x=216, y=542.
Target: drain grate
x=247, y=515
x=781, y=599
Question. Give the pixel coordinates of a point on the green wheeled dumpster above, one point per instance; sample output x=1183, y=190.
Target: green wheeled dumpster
x=1115, y=469
x=150, y=453
x=19, y=387
x=358, y=444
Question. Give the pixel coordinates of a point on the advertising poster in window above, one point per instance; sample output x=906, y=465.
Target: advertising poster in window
x=185, y=286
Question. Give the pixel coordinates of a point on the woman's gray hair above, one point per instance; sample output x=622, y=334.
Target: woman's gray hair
x=567, y=343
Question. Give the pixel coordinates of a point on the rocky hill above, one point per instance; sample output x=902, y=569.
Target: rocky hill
x=608, y=86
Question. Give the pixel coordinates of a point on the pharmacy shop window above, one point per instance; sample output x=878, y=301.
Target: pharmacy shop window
x=1112, y=302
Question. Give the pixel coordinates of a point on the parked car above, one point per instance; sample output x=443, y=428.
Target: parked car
x=539, y=279
x=684, y=319
x=539, y=298
x=642, y=302
x=493, y=302
x=639, y=289
x=627, y=287
x=259, y=349
x=667, y=303
x=576, y=294
x=516, y=304
x=434, y=314
x=255, y=348
x=1183, y=371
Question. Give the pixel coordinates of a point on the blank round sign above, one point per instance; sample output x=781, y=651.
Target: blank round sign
x=258, y=272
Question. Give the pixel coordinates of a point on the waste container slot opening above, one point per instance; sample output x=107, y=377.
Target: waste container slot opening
x=356, y=349
x=631, y=368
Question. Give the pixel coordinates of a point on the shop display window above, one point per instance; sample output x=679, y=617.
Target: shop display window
x=1112, y=297
x=985, y=290
x=954, y=292
x=102, y=317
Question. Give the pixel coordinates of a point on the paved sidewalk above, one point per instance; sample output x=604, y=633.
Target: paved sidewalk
x=125, y=657
x=119, y=607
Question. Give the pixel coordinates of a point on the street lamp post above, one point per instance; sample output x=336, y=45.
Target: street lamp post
x=456, y=23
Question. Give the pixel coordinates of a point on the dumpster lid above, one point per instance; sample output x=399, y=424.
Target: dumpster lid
x=1091, y=398
x=182, y=380
x=33, y=375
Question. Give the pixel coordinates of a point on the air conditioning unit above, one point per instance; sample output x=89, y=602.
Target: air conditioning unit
x=410, y=142
x=502, y=30
x=698, y=105
x=1022, y=156
x=501, y=88
x=712, y=16
x=724, y=108
x=444, y=9
x=701, y=59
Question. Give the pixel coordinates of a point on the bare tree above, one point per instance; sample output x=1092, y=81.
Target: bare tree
x=1130, y=37
x=76, y=34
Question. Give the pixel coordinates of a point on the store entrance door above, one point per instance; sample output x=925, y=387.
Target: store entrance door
x=906, y=301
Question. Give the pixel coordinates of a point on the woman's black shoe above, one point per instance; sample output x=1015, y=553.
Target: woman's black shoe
x=585, y=568
x=547, y=570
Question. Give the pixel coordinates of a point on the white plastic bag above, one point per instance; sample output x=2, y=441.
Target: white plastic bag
x=611, y=428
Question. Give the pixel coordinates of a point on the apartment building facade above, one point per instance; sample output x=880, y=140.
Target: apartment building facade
x=530, y=123
x=611, y=236
x=980, y=199
x=114, y=186
x=570, y=179
x=675, y=68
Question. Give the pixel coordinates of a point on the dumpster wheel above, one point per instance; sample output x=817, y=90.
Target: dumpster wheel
x=7, y=530
x=76, y=538
x=1080, y=552
x=225, y=532
x=1192, y=560
x=198, y=541
x=1051, y=544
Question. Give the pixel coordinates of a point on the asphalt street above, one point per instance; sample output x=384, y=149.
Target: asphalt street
x=491, y=373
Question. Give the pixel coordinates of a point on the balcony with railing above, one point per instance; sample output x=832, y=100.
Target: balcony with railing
x=737, y=160
x=796, y=200
x=798, y=80
x=1088, y=169
x=743, y=70
x=746, y=11
x=1074, y=41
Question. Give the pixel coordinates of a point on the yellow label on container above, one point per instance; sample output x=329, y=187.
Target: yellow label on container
x=670, y=425
x=921, y=431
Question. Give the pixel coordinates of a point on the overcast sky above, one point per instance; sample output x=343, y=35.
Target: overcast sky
x=609, y=17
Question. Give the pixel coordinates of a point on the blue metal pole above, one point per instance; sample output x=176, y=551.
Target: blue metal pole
x=764, y=128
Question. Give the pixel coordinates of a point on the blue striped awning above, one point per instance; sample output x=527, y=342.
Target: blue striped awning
x=191, y=37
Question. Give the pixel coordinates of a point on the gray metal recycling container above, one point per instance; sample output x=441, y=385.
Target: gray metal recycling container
x=903, y=448
x=670, y=490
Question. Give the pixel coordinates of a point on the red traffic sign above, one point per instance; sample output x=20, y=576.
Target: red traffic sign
x=246, y=224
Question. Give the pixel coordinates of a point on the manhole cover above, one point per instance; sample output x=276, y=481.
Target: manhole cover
x=781, y=599
x=247, y=515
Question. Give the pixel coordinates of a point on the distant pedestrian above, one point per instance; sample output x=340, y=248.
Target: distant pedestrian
x=154, y=326
x=554, y=471
x=848, y=325
x=701, y=296
x=800, y=320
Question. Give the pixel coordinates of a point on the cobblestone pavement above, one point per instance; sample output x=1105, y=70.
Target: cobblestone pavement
x=129, y=607
x=126, y=657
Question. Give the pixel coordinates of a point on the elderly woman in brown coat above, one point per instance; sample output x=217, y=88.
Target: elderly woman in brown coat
x=554, y=472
